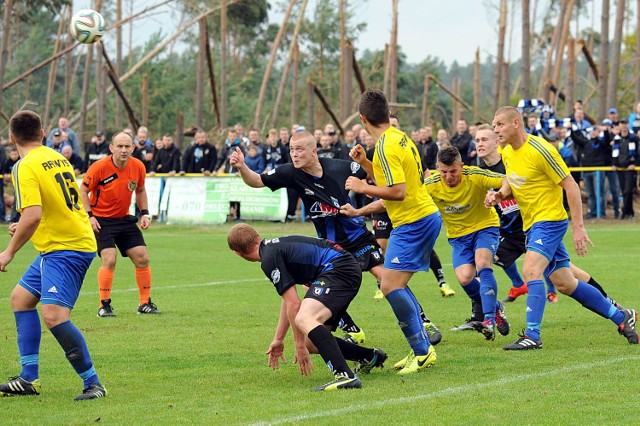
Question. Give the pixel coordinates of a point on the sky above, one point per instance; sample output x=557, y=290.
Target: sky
x=451, y=30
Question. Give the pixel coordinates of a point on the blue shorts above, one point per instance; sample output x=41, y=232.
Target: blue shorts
x=410, y=245
x=464, y=248
x=546, y=238
x=60, y=274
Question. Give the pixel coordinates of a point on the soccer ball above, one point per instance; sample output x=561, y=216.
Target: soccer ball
x=87, y=26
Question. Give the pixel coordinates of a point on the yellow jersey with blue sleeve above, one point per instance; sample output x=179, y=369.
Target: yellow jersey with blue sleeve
x=534, y=172
x=396, y=160
x=45, y=178
x=462, y=207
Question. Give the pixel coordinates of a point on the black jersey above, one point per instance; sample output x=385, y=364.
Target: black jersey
x=323, y=196
x=298, y=259
x=508, y=210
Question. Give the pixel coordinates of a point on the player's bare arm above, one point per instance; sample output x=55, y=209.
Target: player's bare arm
x=275, y=352
x=23, y=231
x=395, y=192
x=580, y=237
x=371, y=208
x=302, y=358
x=84, y=195
x=251, y=178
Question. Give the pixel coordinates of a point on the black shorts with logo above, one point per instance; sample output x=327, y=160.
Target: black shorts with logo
x=510, y=248
x=367, y=252
x=382, y=226
x=336, y=288
x=121, y=233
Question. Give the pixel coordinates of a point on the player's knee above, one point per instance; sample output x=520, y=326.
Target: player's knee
x=22, y=300
x=53, y=317
x=302, y=322
x=141, y=261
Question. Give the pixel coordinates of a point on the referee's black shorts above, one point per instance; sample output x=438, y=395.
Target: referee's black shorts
x=121, y=233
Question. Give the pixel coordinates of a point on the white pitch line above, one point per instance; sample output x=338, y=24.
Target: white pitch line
x=169, y=287
x=444, y=392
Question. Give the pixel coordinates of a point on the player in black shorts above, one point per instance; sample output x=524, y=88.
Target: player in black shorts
x=334, y=279
x=321, y=185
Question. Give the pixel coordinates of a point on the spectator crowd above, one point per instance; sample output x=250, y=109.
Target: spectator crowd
x=581, y=141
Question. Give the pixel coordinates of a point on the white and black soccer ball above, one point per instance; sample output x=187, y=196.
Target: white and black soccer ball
x=87, y=26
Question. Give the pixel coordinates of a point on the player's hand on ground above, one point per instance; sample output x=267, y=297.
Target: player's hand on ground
x=5, y=259
x=94, y=224
x=580, y=240
x=12, y=228
x=236, y=159
x=355, y=184
x=275, y=354
x=303, y=360
x=358, y=154
x=348, y=210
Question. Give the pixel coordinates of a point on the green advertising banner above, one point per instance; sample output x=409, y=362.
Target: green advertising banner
x=206, y=200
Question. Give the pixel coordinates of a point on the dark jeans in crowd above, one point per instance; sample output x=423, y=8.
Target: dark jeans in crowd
x=612, y=179
x=628, y=182
x=594, y=184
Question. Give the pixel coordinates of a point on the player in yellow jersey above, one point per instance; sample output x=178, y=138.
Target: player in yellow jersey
x=537, y=175
x=53, y=218
x=473, y=233
x=397, y=170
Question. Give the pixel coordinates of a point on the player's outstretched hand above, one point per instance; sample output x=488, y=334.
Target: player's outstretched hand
x=236, y=159
x=358, y=154
x=276, y=353
x=580, y=240
x=303, y=360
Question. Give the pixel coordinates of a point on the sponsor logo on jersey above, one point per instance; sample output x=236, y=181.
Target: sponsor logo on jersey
x=539, y=241
x=395, y=260
x=275, y=276
x=509, y=206
x=354, y=167
x=457, y=209
x=318, y=291
x=132, y=185
x=308, y=191
x=53, y=289
x=319, y=209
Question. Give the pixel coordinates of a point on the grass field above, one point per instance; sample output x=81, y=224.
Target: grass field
x=203, y=362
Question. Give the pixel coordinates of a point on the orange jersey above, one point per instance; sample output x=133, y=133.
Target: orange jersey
x=111, y=188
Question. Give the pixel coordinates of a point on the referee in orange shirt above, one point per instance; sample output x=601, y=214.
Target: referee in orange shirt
x=106, y=193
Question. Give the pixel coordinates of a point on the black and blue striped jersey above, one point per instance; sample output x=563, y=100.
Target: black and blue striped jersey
x=298, y=259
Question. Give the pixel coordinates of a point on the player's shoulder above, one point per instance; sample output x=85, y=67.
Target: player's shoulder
x=433, y=179
x=475, y=171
